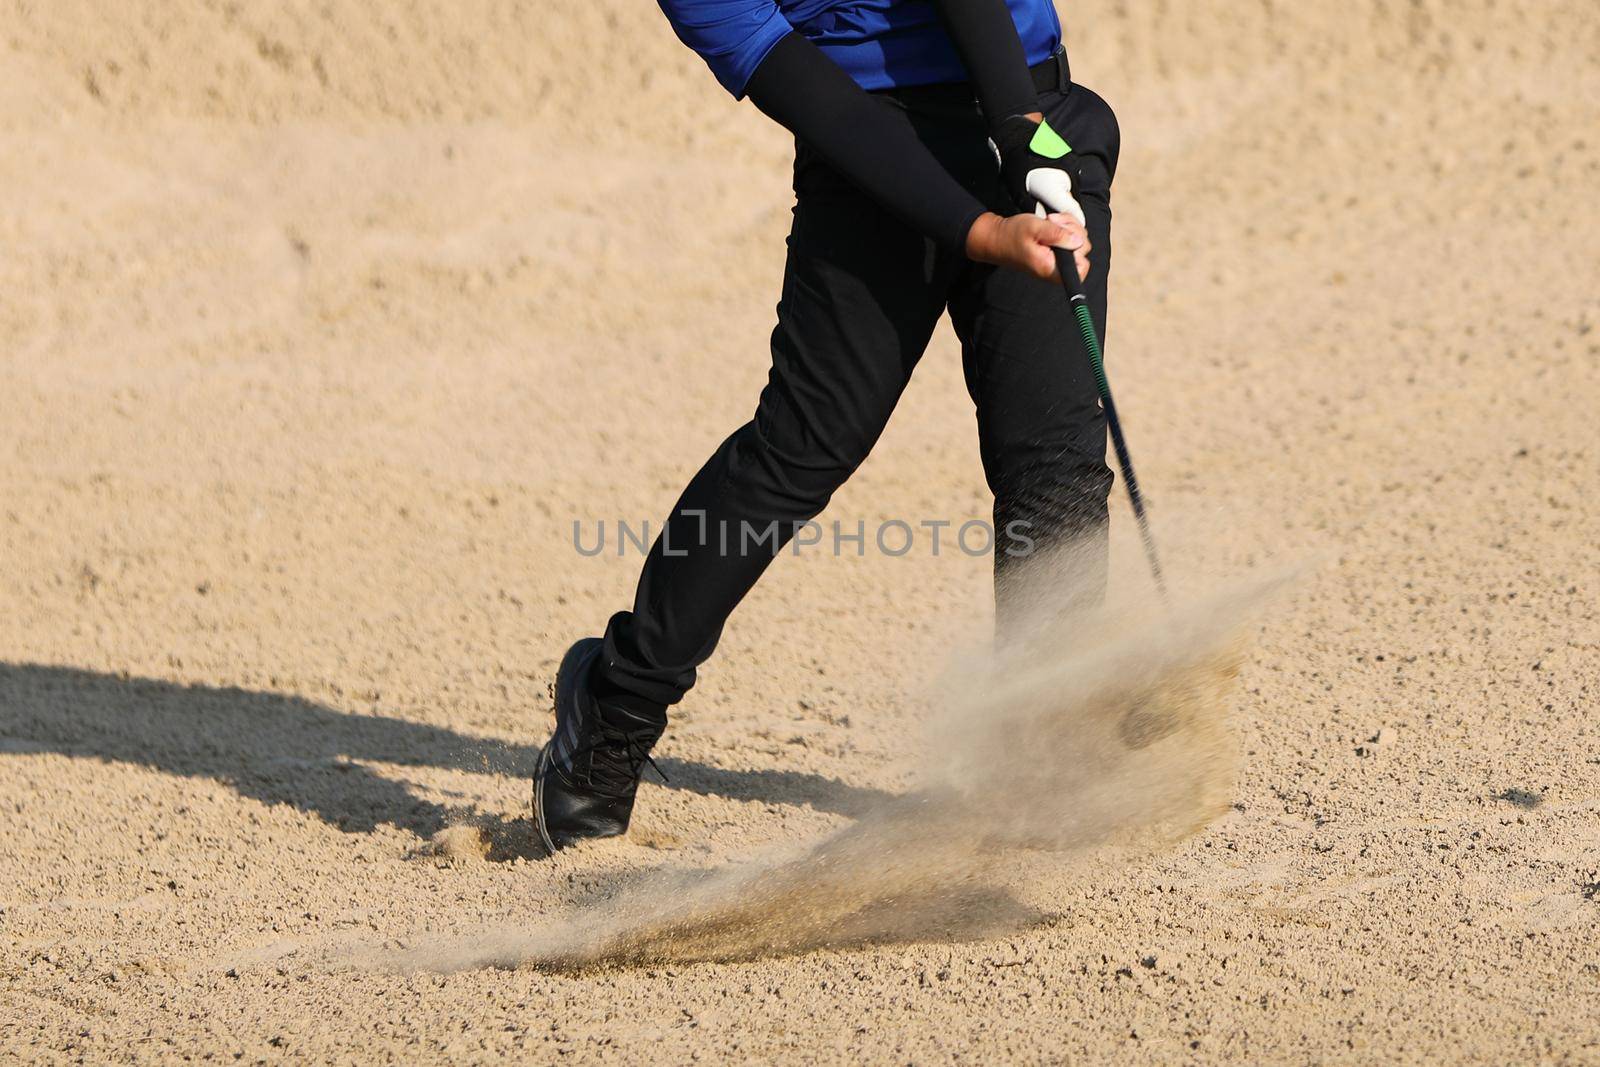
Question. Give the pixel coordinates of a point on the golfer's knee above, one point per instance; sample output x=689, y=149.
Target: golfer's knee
x=806, y=450
x=795, y=474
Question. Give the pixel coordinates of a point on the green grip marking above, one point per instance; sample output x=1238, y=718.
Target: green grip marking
x=1092, y=343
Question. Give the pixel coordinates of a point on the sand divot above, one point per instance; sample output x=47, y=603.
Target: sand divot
x=461, y=843
x=1059, y=744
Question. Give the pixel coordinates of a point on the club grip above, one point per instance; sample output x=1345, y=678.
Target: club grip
x=1067, y=264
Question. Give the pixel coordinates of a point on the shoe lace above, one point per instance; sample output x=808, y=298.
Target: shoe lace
x=618, y=759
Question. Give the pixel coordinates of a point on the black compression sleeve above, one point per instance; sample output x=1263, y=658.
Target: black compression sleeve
x=986, y=37
x=870, y=142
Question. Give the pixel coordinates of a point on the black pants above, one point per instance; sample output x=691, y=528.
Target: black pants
x=862, y=293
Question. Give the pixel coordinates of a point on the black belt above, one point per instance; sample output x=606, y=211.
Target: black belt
x=1051, y=76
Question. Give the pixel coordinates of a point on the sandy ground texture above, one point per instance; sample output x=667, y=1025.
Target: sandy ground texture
x=320, y=324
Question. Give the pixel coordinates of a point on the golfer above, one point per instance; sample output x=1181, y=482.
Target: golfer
x=923, y=131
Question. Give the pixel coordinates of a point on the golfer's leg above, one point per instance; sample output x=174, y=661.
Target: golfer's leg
x=1041, y=431
x=858, y=306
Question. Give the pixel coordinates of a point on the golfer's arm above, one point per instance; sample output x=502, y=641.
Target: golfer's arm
x=870, y=142
x=986, y=39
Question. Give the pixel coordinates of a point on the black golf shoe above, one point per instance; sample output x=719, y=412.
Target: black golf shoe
x=589, y=770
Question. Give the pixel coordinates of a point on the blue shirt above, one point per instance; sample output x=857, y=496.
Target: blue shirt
x=882, y=44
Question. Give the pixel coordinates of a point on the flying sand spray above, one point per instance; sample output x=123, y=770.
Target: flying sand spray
x=1026, y=749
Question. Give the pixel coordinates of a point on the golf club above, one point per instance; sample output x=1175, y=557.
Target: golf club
x=1091, y=343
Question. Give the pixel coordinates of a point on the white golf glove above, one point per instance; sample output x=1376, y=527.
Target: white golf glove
x=1034, y=163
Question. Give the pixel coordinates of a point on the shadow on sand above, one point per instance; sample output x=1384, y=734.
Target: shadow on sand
x=286, y=750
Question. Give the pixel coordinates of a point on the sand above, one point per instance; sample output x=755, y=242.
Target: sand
x=319, y=327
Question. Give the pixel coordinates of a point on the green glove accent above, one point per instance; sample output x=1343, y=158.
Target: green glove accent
x=1048, y=143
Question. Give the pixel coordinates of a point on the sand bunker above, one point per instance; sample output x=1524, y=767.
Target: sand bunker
x=1100, y=725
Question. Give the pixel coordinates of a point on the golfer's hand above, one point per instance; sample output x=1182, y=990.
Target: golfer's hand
x=1036, y=165
x=1026, y=243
